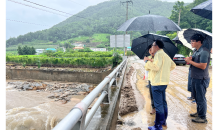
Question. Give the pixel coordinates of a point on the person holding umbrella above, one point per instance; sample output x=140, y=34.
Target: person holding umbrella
x=199, y=61
x=160, y=69
x=149, y=82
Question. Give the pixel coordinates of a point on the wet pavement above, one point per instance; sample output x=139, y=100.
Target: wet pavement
x=176, y=95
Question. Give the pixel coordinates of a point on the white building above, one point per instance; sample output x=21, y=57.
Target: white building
x=78, y=44
x=39, y=51
x=98, y=49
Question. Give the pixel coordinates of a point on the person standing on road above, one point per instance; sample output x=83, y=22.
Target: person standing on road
x=149, y=82
x=160, y=69
x=200, y=77
x=189, y=85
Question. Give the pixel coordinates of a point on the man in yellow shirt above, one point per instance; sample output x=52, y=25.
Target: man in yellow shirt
x=159, y=72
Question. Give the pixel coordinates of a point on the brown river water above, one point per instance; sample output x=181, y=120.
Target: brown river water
x=31, y=110
x=176, y=95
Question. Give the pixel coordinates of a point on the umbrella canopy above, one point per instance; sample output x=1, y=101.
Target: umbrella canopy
x=140, y=45
x=185, y=35
x=204, y=9
x=176, y=40
x=150, y=23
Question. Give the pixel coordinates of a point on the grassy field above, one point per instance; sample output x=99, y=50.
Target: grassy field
x=36, y=46
x=99, y=37
x=11, y=53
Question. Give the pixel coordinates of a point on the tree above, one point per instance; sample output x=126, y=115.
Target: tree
x=26, y=50
x=87, y=41
x=20, y=51
x=33, y=51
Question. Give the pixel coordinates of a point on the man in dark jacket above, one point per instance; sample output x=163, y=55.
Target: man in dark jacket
x=199, y=61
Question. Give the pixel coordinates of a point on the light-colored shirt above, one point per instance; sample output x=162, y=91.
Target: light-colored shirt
x=159, y=69
x=150, y=57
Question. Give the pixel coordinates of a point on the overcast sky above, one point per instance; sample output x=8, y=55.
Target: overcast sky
x=19, y=12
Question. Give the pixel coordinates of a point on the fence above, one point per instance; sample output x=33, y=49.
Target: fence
x=78, y=119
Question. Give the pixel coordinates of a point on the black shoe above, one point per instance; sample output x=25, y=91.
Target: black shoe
x=194, y=114
x=190, y=98
x=199, y=120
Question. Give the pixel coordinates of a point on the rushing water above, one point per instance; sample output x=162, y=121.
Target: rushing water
x=31, y=110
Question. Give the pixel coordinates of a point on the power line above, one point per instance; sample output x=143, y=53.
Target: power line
x=25, y=22
x=52, y=9
x=36, y=8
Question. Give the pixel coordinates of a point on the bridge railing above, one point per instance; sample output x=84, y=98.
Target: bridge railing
x=78, y=119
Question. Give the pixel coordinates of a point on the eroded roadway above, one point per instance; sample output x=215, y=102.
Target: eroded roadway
x=176, y=94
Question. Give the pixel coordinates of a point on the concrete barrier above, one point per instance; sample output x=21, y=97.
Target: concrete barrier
x=54, y=75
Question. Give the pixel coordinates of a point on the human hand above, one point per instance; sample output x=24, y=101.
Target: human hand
x=211, y=50
x=146, y=58
x=151, y=60
x=188, y=59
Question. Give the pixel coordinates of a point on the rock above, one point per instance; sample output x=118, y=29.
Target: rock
x=64, y=101
x=38, y=86
x=44, y=85
x=20, y=87
x=57, y=96
x=67, y=93
x=85, y=87
x=57, y=91
x=27, y=87
x=138, y=128
x=51, y=96
x=67, y=99
x=81, y=93
x=72, y=90
x=119, y=122
x=37, y=90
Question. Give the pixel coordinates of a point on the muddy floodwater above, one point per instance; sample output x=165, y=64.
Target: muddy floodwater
x=176, y=95
x=32, y=110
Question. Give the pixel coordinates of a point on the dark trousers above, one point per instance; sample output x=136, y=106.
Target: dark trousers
x=160, y=104
x=190, y=83
x=159, y=98
x=199, y=89
x=150, y=90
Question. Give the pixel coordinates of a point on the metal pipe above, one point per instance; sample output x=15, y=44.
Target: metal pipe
x=69, y=121
x=94, y=108
x=94, y=93
x=73, y=117
x=111, y=82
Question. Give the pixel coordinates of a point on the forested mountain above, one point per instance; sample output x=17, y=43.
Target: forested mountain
x=105, y=17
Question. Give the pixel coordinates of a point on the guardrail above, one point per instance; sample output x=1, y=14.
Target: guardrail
x=77, y=118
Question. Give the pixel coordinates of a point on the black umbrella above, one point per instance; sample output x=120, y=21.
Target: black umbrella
x=185, y=35
x=176, y=40
x=150, y=23
x=140, y=45
x=204, y=9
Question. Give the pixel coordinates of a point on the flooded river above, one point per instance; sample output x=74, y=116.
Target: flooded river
x=176, y=94
x=31, y=110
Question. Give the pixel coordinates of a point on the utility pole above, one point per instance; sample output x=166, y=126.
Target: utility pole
x=126, y=2
x=179, y=16
x=178, y=21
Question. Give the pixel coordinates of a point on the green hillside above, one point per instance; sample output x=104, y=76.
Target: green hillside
x=100, y=21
